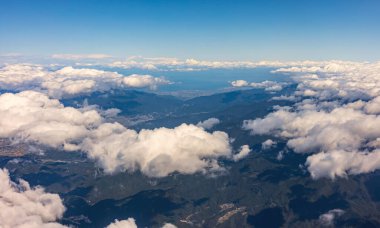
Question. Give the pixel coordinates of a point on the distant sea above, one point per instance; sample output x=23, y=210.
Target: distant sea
x=190, y=83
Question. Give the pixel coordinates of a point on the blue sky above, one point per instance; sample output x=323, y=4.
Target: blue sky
x=214, y=29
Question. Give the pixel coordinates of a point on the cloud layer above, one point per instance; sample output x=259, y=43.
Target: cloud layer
x=33, y=116
x=69, y=80
x=335, y=119
x=23, y=206
x=191, y=64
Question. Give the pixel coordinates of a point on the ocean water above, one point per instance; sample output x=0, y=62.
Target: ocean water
x=212, y=80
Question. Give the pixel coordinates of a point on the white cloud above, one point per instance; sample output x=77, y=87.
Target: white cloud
x=244, y=151
x=267, y=85
x=333, y=125
x=70, y=81
x=373, y=106
x=267, y=144
x=328, y=218
x=187, y=149
x=129, y=223
x=145, y=63
x=141, y=81
x=33, y=116
x=178, y=64
x=23, y=206
x=312, y=130
x=209, y=123
x=239, y=83
x=337, y=80
x=340, y=163
x=169, y=225
x=191, y=64
x=22, y=76
x=337, y=136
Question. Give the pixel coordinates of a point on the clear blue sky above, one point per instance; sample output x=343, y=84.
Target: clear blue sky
x=203, y=29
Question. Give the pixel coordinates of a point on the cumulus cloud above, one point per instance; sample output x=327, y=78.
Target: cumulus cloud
x=129, y=223
x=239, y=83
x=335, y=119
x=338, y=135
x=22, y=76
x=33, y=116
x=267, y=85
x=337, y=80
x=340, y=163
x=23, y=206
x=209, y=123
x=244, y=151
x=169, y=225
x=312, y=130
x=185, y=149
x=328, y=218
x=267, y=144
x=373, y=106
x=141, y=81
x=70, y=81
